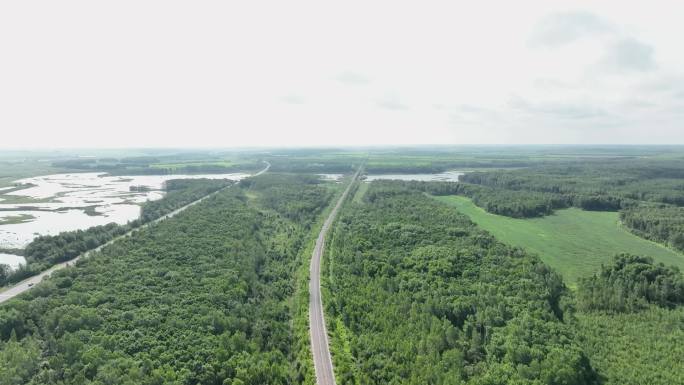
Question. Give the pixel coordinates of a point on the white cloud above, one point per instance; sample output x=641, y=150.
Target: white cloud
x=566, y=27
x=392, y=102
x=353, y=78
x=559, y=109
x=630, y=55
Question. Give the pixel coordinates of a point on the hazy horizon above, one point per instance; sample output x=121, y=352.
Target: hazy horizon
x=340, y=147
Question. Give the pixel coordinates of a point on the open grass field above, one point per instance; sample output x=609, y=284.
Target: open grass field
x=572, y=241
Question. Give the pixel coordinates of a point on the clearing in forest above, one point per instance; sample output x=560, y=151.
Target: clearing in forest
x=572, y=241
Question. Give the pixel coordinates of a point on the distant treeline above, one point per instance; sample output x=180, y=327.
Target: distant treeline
x=313, y=166
x=621, y=183
x=152, y=166
x=646, y=192
x=438, y=166
x=46, y=251
x=511, y=203
x=385, y=164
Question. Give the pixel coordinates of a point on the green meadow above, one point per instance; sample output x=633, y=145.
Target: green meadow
x=572, y=241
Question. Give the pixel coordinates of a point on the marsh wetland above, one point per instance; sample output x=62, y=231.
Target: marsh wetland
x=50, y=204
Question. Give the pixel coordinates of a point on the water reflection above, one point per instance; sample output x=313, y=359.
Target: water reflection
x=12, y=260
x=448, y=176
x=331, y=177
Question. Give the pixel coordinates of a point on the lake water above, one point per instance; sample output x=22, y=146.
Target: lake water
x=331, y=177
x=12, y=260
x=448, y=176
x=65, y=197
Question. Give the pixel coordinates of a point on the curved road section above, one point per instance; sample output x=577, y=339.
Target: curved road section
x=28, y=283
x=320, y=348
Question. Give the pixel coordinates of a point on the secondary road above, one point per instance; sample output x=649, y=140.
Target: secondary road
x=320, y=348
x=28, y=283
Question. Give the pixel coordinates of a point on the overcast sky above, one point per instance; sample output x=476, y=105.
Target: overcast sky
x=245, y=73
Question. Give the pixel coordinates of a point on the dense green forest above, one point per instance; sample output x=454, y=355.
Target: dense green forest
x=415, y=293
x=576, y=243
x=203, y=298
x=625, y=179
x=180, y=192
x=648, y=193
x=48, y=250
x=279, y=192
x=661, y=224
x=419, y=295
x=631, y=283
x=515, y=204
x=594, y=185
x=631, y=322
x=637, y=348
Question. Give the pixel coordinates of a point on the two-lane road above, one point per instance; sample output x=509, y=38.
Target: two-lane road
x=28, y=283
x=320, y=348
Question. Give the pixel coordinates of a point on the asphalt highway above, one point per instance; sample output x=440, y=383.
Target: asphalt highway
x=320, y=348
